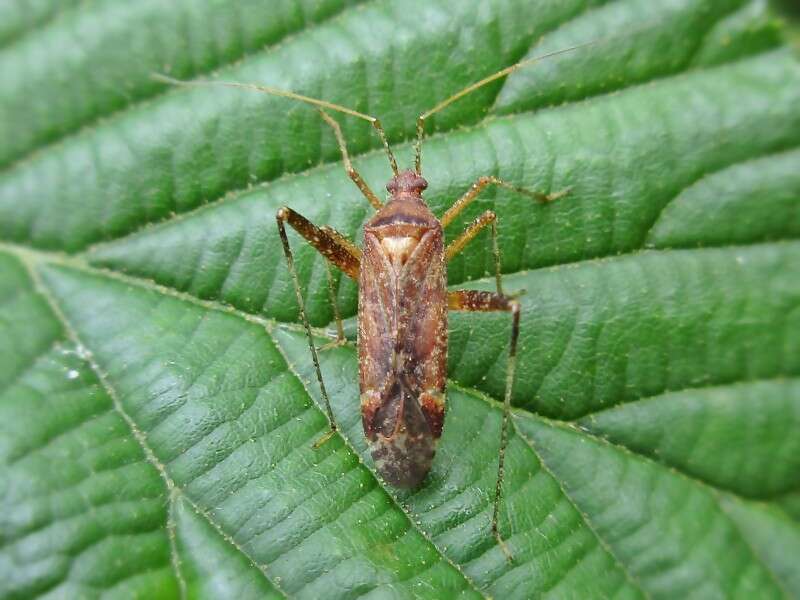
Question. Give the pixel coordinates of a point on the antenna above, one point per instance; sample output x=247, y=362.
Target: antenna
x=292, y=96
x=477, y=85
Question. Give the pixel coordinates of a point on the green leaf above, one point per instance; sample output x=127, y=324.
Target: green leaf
x=157, y=400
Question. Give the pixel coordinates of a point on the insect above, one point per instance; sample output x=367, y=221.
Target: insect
x=401, y=272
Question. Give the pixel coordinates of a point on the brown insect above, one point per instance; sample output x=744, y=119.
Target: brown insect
x=401, y=272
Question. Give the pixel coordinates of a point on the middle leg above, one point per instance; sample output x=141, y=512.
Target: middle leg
x=477, y=301
x=487, y=218
x=457, y=245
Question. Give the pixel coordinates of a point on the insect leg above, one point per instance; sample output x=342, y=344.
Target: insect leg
x=348, y=166
x=330, y=243
x=345, y=256
x=457, y=245
x=487, y=218
x=340, y=339
x=473, y=300
x=482, y=182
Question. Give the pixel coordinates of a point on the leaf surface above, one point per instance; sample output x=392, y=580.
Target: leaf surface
x=157, y=401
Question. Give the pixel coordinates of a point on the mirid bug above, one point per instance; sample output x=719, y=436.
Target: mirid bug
x=401, y=272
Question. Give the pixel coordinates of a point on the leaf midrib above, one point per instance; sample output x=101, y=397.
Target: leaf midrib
x=31, y=258
x=26, y=257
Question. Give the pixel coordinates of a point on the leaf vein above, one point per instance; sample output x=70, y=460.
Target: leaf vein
x=138, y=435
x=585, y=517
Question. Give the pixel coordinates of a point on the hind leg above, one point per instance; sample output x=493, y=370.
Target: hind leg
x=475, y=301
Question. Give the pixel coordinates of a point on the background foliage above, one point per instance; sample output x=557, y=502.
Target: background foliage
x=157, y=405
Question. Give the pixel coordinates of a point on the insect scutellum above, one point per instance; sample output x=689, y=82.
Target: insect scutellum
x=403, y=298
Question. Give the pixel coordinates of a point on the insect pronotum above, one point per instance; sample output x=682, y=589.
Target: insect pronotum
x=401, y=272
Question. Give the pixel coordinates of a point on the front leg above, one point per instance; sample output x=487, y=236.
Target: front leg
x=482, y=182
x=341, y=253
x=476, y=301
x=487, y=218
